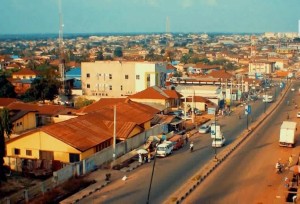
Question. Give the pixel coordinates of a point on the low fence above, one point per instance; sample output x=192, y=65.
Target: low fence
x=83, y=167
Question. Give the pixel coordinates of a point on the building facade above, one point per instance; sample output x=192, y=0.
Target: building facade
x=120, y=78
x=261, y=68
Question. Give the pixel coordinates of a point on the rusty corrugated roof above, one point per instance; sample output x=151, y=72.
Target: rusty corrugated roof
x=152, y=92
x=6, y=101
x=82, y=133
x=43, y=109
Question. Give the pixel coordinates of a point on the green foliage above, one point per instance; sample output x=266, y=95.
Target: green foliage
x=118, y=52
x=100, y=56
x=42, y=89
x=204, y=60
x=5, y=123
x=185, y=58
x=108, y=57
x=81, y=102
x=177, y=74
x=6, y=88
x=5, y=128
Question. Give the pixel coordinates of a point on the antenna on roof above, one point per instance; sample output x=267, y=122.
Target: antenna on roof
x=61, y=49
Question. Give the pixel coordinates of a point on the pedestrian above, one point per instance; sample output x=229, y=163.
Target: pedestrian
x=290, y=160
x=149, y=156
x=294, y=199
x=286, y=182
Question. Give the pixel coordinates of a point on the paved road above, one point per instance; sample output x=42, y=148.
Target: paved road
x=249, y=175
x=173, y=171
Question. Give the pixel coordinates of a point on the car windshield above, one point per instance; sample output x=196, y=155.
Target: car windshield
x=218, y=139
x=161, y=149
x=203, y=127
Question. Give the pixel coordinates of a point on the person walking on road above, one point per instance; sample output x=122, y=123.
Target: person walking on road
x=290, y=160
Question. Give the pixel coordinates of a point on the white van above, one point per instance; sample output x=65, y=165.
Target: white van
x=164, y=149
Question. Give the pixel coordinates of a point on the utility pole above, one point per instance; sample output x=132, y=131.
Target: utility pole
x=115, y=132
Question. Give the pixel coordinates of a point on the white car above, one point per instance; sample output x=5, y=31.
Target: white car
x=205, y=128
x=298, y=115
x=218, y=142
x=268, y=99
x=293, y=89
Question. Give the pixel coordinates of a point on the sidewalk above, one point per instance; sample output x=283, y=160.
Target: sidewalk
x=100, y=177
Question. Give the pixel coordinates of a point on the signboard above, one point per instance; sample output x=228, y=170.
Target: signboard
x=247, y=109
x=211, y=111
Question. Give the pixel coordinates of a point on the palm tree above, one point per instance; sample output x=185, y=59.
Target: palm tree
x=5, y=128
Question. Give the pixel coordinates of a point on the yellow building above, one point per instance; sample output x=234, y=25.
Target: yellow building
x=23, y=120
x=78, y=138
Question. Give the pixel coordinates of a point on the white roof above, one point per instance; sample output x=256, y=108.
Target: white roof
x=289, y=125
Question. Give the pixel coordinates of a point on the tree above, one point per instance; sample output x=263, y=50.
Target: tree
x=118, y=52
x=185, y=58
x=81, y=102
x=6, y=88
x=100, y=56
x=42, y=89
x=5, y=128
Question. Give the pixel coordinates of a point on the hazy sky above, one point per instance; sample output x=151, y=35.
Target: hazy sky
x=85, y=16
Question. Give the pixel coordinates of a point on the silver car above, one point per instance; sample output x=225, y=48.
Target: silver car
x=205, y=128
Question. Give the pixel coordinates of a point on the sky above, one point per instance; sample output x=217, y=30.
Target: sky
x=131, y=16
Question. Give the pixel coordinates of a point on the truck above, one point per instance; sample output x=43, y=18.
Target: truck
x=287, y=134
x=215, y=128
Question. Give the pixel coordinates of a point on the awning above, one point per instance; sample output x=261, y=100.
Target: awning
x=177, y=122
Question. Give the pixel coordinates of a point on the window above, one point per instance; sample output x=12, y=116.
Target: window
x=28, y=152
x=121, y=88
x=73, y=157
x=110, y=87
x=137, y=77
x=21, y=123
x=88, y=86
x=126, y=76
x=17, y=151
x=110, y=76
x=88, y=75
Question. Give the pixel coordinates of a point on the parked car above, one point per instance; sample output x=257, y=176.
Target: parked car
x=298, y=115
x=176, y=113
x=197, y=112
x=292, y=89
x=218, y=142
x=177, y=141
x=205, y=128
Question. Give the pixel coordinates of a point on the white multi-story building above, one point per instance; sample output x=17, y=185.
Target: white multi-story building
x=120, y=78
x=258, y=68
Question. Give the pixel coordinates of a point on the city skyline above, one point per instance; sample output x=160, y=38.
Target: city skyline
x=149, y=16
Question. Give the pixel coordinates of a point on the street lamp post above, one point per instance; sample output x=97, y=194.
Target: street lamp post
x=265, y=100
x=247, y=116
x=216, y=159
x=154, y=160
